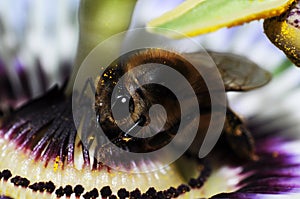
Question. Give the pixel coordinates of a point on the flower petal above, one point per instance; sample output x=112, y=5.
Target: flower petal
x=277, y=172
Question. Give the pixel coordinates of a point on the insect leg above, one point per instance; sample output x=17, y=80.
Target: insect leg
x=238, y=136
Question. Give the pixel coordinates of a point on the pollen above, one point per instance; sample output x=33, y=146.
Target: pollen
x=126, y=139
x=57, y=163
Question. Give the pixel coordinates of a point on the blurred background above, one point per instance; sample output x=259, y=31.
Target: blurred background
x=38, y=40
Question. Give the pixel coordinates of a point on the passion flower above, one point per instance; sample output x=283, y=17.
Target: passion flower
x=42, y=156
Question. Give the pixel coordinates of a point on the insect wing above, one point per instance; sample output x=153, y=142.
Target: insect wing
x=238, y=72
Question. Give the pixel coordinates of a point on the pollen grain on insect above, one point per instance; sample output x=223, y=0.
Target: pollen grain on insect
x=238, y=132
x=91, y=138
x=126, y=139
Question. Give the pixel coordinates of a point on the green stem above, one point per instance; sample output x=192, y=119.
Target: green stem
x=98, y=20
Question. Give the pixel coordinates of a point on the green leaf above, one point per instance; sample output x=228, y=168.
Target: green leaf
x=194, y=17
